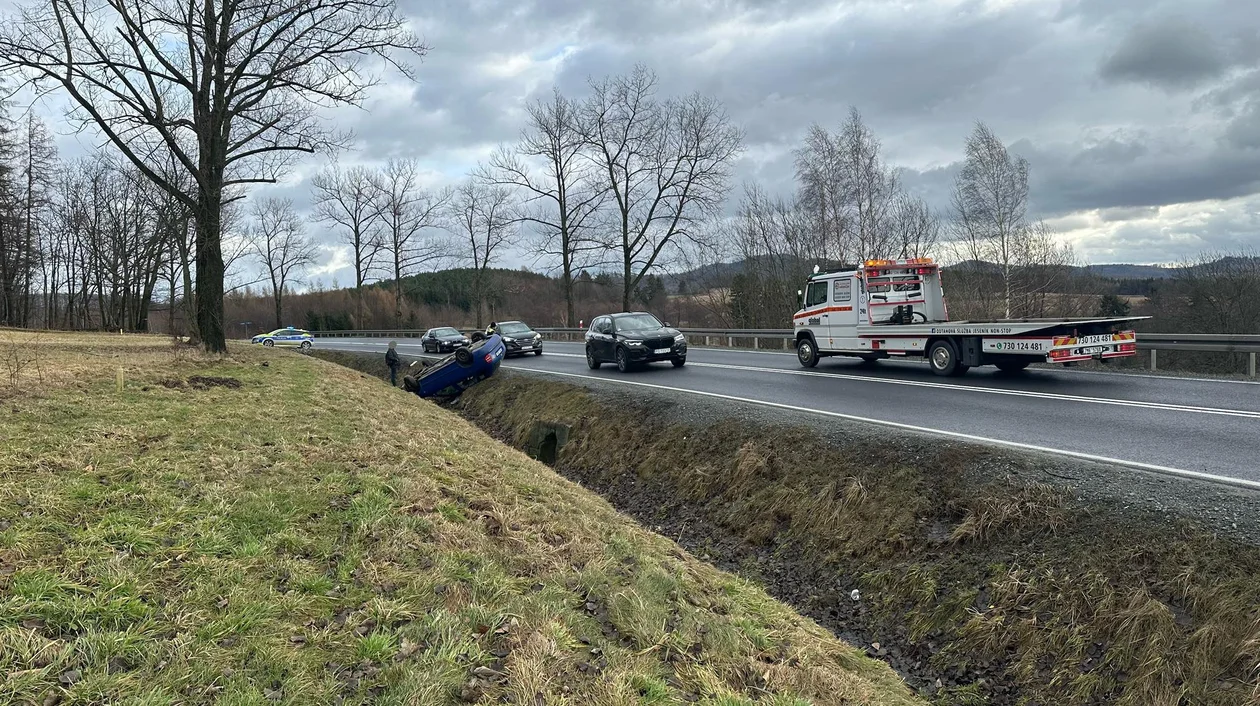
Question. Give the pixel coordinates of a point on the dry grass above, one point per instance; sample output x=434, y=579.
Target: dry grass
x=998, y=509
x=1102, y=605
x=312, y=537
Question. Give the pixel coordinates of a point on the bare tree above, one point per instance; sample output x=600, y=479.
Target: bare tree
x=779, y=245
x=38, y=161
x=231, y=88
x=409, y=215
x=820, y=179
x=482, y=216
x=665, y=164
x=848, y=191
x=1212, y=292
x=870, y=189
x=348, y=199
x=990, y=204
x=278, y=242
x=915, y=227
x=562, y=196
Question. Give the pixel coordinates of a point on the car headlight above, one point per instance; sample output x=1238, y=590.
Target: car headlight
x=680, y=338
x=538, y=337
x=509, y=339
x=633, y=343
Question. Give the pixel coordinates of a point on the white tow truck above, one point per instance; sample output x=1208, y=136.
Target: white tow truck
x=896, y=308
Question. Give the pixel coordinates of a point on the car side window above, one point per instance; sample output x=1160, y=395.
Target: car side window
x=605, y=326
x=816, y=294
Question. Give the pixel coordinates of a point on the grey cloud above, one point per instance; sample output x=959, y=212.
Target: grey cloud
x=920, y=79
x=1173, y=54
x=1128, y=213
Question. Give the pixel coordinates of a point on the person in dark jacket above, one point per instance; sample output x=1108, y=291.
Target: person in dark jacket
x=392, y=360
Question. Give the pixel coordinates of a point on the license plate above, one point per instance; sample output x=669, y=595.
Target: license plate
x=1092, y=350
x=659, y=351
x=1104, y=338
x=527, y=348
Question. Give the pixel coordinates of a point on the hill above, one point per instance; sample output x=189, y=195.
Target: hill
x=217, y=531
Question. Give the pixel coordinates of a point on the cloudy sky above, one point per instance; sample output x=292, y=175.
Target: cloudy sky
x=1141, y=118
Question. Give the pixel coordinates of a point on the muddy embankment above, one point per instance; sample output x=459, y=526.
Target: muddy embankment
x=978, y=587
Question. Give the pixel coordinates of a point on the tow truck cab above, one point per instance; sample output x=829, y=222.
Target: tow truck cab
x=887, y=308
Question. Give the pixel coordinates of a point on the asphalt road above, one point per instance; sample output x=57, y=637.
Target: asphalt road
x=1179, y=426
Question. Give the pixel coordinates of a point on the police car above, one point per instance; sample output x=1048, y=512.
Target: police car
x=291, y=337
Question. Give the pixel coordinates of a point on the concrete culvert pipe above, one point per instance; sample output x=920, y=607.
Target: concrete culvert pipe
x=545, y=441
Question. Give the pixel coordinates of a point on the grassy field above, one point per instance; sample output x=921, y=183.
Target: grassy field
x=266, y=528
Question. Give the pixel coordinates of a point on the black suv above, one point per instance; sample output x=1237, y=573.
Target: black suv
x=443, y=340
x=631, y=338
x=518, y=338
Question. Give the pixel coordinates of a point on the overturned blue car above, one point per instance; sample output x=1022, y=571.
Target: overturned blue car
x=458, y=372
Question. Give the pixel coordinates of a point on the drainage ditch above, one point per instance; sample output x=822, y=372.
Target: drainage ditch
x=980, y=576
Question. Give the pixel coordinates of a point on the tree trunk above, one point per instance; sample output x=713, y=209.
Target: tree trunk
x=398, y=293
x=210, y=272
x=478, y=297
x=625, y=283
x=568, y=294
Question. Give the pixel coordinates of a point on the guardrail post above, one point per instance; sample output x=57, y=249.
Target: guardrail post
x=1154, y=359
x=706, y=342
x=756, y=343
x=1251, y=364
x=730, y=341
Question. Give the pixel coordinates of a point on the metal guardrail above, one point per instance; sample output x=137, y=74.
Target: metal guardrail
x=782, y=338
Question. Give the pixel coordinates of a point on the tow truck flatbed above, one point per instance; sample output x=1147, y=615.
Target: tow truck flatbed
x=870, y=312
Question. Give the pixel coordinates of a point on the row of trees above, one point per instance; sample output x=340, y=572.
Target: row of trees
x=623, y=178
x=92, y=243
x=203, y=99
x=849, y=206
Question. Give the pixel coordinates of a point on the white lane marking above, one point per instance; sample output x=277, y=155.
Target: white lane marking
x=1161, y=406
x=1052, y=371
x=999, y=391
x=1166, y=470
x=983, y=390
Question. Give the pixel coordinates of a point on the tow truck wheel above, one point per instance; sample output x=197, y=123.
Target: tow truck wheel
x=806, y=353
x=1012, y=366
x=943, y=357
x=463, y=356
x=591, y=361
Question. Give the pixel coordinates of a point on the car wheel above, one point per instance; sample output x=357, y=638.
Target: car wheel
x=591, y=361
x=306, y=345
x=806, y=353
x=623, y=363
x=943, y=357
x=537, y=352
x=679, y=362
x=1013, y=366
x=269, y=343
x=464, y=357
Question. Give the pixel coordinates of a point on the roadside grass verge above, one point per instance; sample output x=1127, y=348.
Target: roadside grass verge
x=1017, y=591
x=264, y=528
